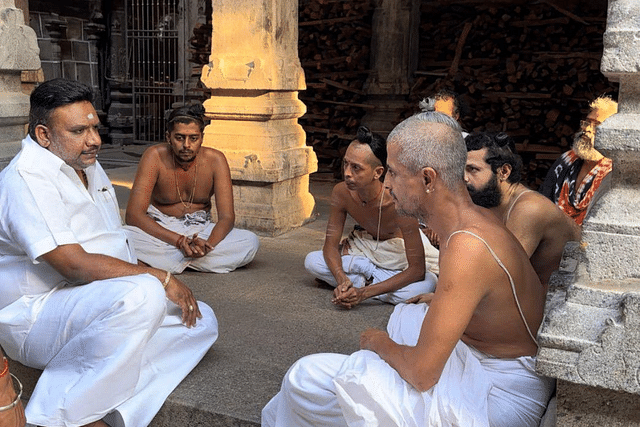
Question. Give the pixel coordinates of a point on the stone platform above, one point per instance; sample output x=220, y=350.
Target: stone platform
x=270, y=313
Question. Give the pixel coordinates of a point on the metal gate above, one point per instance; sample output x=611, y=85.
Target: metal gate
x=156, y=39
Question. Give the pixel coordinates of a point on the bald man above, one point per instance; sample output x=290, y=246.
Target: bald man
x=466, y=359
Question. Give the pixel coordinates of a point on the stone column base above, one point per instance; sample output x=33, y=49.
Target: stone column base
x=273, y=208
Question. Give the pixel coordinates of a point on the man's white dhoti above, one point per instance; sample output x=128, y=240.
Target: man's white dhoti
x=112, y=348
x=374, y=262
x=363, y=390
x=238, y=248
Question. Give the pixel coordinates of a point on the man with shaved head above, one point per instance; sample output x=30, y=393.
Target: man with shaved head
x=467, y=358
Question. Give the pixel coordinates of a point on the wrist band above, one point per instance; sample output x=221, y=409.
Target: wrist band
x=17, y=399
x=5, y=369
x=166, y=279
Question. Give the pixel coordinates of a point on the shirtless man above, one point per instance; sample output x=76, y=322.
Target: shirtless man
x=493, y=179
x=467, y=358
x=574, y=179
x=386, y=252
x=168, y=214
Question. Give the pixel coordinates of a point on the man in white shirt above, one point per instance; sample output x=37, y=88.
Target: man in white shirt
x=73, y=300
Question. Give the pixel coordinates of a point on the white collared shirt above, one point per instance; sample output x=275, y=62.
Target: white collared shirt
x=43, y=204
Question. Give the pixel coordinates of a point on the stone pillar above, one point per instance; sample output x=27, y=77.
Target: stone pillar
x=254, y=75
x=18, y=51
x=394, y=55
x=590, y=339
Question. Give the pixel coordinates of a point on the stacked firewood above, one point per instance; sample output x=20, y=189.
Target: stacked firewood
x=334, y=49
x=530, y=71
x=527, y=69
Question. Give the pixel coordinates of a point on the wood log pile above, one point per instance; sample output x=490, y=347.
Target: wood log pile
x=334, y=48
x=529, y=69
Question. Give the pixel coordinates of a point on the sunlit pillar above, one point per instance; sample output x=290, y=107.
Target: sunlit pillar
x=254, y=75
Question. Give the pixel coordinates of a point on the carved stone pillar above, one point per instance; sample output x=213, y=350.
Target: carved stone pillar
x=18, y=51
x=254, y=75
x=590, y=339
x=394, y=54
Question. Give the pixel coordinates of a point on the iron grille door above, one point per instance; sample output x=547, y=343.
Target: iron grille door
x=155, y=38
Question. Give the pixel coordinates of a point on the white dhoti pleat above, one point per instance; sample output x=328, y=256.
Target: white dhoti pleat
x=360, y=269
x=307, y=397
x=113, y=348
x=238, y=248
x=474, y=389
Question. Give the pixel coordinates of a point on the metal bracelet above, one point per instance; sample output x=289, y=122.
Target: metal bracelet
x=17, y=399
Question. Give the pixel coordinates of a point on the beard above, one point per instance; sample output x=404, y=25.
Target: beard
x=488, y=196
x=410, y=208
x=583, y=147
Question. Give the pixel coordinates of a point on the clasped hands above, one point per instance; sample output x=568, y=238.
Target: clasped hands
x=193, y=246
x=346, y=295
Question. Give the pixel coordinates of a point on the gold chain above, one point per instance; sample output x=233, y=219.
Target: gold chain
x=195, y=180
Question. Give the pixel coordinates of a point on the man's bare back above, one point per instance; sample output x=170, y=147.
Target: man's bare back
x=495, y=327
x=543, y=229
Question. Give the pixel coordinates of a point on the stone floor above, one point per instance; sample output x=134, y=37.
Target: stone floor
x=270, y=314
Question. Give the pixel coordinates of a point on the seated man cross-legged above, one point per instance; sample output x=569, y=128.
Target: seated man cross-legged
x=493, y=179
x=384, y=257
x=168, y=215
x=467, y=358
x=74, y=302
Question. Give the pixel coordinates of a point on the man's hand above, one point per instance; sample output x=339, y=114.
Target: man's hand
x=432, y=236
x=422, y=298
x=182, y=296
x=347, y=296
x=193, y=247
x=371, y=338
x=12, y=417
x=199, y=247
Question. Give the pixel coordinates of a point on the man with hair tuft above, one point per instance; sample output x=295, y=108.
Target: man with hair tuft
x=385, y=256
